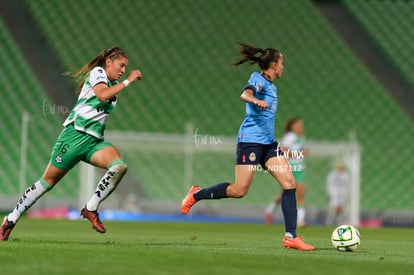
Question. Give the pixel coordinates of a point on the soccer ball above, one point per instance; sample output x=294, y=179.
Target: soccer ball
x=346, y=238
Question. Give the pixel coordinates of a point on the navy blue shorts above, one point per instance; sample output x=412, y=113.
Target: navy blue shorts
x=254, y=153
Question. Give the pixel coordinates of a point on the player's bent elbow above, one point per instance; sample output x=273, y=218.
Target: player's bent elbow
x=102, y=98
x=244, y=98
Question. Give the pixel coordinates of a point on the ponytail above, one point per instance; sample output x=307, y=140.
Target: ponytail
x=253, y=55
x=81, y=74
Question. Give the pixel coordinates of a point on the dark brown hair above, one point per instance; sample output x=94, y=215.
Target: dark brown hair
x=80, y=74
x=253, y=55
x=289, y=124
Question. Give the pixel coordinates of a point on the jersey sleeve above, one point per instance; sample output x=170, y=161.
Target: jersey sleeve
x=254, y=83
x=287, y=140
x=97, y=75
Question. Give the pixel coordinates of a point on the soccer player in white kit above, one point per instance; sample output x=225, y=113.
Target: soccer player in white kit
x=337, y=190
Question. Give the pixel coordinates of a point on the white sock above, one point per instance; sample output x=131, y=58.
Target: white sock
x=271, y=208
x=301, y=214
x=30, y=196
x=107, y=185
x=288, y=235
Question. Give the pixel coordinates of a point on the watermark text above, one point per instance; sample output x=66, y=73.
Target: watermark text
x=200, y=140
x=52, y=109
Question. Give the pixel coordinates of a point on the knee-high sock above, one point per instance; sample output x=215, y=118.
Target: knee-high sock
x=289, y=210
x=30, y=196
x=214, y=192
x=107, y=184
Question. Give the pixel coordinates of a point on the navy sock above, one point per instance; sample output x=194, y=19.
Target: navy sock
x=215, y=192
x=289, y=210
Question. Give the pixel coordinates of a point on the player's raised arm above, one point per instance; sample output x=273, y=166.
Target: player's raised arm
x=103, y=92
x=248, y=96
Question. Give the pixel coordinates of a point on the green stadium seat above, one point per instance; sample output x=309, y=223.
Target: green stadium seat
x=21, y=92
x=390, y=24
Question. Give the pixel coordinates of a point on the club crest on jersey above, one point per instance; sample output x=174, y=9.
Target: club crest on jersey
x=58, y=158
x=259, y=87
x=252, y=156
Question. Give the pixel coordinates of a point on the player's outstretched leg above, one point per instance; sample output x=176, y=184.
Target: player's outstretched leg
x=291, y=240
x=288, y=203
x=106, y=186
x=30, y=196
x=195, y=194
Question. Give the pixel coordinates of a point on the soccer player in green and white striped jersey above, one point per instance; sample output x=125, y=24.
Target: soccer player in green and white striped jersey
x=82, y=138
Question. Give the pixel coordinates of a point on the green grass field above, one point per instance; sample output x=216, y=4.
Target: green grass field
x=72, y=247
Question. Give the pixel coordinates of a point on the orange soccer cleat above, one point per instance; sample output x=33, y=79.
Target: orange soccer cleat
x=296, y=243
x=189, y=200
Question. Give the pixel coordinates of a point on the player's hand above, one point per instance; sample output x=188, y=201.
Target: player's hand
x=262, y=104
x=134, y=75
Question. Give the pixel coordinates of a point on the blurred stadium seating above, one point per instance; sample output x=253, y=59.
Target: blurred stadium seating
x=185, y=50
x=390, y=24
x=21, y=92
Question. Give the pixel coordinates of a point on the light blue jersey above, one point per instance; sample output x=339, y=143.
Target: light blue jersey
x=259, y=125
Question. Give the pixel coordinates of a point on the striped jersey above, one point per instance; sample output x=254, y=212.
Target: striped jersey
x=295, y=145
x=89, y=114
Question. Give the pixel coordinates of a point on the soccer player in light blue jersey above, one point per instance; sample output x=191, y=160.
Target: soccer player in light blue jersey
x=256, y=143
x=82, y=138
